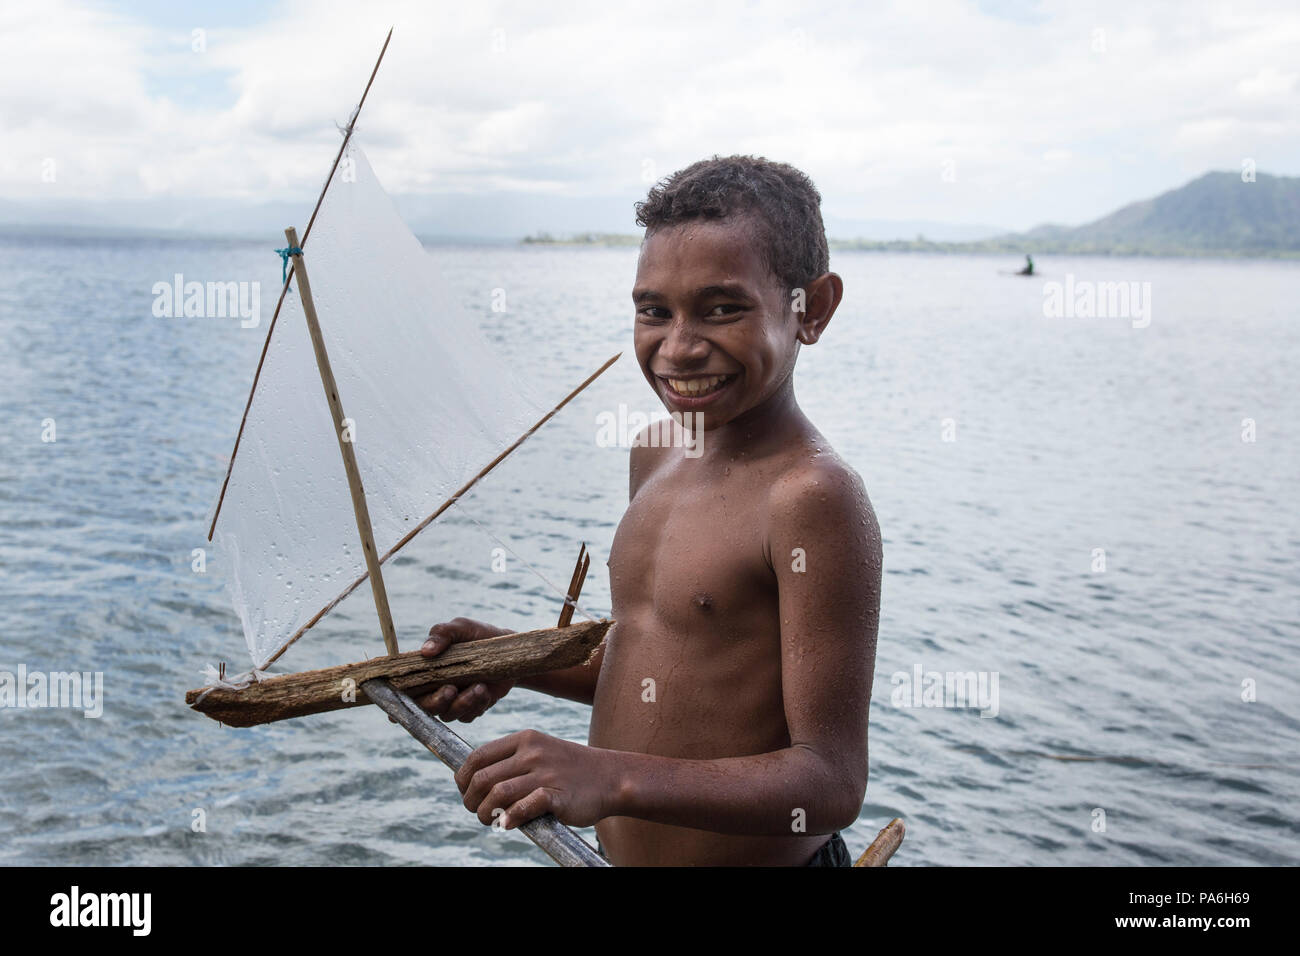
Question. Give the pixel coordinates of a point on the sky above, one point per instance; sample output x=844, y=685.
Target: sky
x=1007, y=114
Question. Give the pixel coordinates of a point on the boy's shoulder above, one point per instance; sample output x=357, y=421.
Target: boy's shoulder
x=819, y=501
x=804, y=481
x=814, y=480
x=650, y=447
x=659, y=434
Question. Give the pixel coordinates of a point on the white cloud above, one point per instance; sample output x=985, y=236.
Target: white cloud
x=1267, y=83
x=573, y=100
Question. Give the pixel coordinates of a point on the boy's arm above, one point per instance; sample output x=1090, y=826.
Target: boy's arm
x=829, y=619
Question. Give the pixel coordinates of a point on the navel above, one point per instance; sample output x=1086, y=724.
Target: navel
x=703, y=602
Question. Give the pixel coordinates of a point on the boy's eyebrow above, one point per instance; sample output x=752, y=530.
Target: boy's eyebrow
x=734, y=290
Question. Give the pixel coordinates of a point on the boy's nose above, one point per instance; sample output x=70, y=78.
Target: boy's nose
x=682, y=347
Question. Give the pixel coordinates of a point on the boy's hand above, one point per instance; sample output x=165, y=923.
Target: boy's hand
x=449, y=702
x=529, y=773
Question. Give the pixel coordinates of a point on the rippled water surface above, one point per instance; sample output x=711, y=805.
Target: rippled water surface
x=1119, y=690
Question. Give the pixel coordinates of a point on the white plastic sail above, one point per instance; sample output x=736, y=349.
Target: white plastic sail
x=430, y=405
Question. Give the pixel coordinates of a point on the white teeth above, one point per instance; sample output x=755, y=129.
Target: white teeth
x=697, y=386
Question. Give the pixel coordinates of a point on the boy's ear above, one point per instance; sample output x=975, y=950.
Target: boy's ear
x=820, y=299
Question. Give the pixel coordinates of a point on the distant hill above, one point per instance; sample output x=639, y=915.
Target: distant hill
x=1215, y=215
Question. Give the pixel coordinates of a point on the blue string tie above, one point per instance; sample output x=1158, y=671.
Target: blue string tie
x=284, y=260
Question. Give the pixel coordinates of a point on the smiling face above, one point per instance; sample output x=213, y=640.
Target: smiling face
x=715, y=331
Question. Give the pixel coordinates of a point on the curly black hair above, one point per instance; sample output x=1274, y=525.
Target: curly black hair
x=782, y=200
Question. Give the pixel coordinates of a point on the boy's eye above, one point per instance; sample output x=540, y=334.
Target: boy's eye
x=726, y=310
x=652, y=312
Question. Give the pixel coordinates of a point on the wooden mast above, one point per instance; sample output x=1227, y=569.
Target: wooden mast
x=359, y=507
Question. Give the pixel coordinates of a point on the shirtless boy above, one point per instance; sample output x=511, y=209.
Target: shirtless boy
x=729, y=702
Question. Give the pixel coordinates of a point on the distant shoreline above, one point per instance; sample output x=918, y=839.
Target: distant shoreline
x=1009, y=246
x=582, y=239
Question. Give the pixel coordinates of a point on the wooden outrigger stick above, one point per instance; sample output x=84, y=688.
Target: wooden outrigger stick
x=559, y=842
x=884, y=845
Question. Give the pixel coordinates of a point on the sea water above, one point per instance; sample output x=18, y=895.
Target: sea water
x=1088, y=642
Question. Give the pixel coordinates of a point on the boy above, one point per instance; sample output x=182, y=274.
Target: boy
x=730, y=699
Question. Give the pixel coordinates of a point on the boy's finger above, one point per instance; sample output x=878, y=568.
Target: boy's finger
x=469, y=699
x=529, y=808
x=491, y=752
x=439, y=640
x=476, y=711
x=502, y=795
x=456, y=707
x=437, y=702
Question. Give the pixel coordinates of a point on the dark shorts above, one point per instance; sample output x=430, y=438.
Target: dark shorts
x=832, y=853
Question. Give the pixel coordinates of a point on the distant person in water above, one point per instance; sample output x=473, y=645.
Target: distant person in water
x=1028, y=270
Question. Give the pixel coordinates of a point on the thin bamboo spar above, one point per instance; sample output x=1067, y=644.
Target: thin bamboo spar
x=560, y=843
x=359, y=506
x=266, y=345
x=575, y=586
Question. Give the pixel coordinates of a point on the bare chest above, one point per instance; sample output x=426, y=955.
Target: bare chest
x=691, y=553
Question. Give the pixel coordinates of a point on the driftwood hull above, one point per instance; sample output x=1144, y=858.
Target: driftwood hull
x=509, y=657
